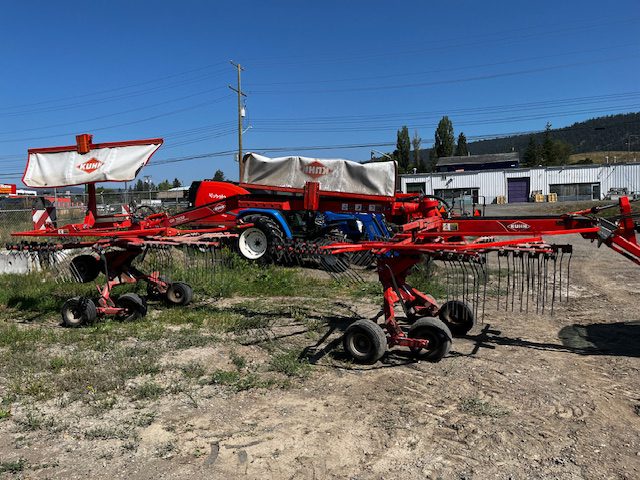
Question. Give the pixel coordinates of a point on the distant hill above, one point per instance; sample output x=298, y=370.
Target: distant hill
x=600, y=134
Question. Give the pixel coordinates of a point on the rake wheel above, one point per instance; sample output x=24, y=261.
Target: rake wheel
x=458, y=316
x=179, y=294
x=365, y=341
x=134, y=307
x=78, y=311
x=438, y=335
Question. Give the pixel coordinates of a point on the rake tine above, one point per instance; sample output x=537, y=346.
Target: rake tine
x=568, y=269
x=499, y=281
x=553, y=291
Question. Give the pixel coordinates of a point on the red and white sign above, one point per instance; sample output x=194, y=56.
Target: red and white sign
x=7, y=188
x=90, y=166
x=316, y=169
x=519, y=226
x=43, y=218
x=104, y=162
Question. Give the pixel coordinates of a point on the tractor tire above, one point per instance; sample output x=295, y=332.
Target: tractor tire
x=365, y=341
x=261, y=242
x=437, y=333
x=78, y=311
x=85, y=268
x=458, y=316
x=179, y=294
x=134, y=306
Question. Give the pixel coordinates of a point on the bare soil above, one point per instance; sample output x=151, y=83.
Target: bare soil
x=524, y=396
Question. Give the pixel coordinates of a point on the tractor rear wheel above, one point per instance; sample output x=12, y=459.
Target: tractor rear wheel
x=365, y=341
x=134, y=307
x=438, y=335
x=261, y=242
x=179, y=293
x=78, y=311
x=458, y=316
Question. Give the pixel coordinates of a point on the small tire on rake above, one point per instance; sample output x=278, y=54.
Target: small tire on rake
x=458, y=316
x=179, y=294
x=365, y=341
x=78, y=311
x=438, y=335
x=133, y=305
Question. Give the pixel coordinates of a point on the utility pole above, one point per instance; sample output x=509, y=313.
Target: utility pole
x=241, y=94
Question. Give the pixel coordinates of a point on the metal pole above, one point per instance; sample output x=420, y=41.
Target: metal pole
x=241, y=94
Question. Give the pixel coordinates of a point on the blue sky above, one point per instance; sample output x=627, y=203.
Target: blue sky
x=318, y=74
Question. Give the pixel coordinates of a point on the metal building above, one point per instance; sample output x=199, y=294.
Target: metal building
x=575, y=182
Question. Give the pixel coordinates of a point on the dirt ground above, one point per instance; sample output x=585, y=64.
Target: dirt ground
x=524, y=396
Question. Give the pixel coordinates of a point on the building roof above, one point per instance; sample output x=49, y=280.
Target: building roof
x=479, y=159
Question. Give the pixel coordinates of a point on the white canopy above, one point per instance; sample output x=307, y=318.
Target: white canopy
x=334, y=175
x=108, y=162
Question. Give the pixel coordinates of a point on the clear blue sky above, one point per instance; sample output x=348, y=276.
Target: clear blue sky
x=322, y=73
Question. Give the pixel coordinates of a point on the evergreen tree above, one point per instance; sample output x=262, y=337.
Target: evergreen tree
x=444, y=139
x=164, y=185
x=139, y=186
x=531, y=156
x=462, y=149
x=548, y=150
x=218, y=176
x=416, y=141
x=176, y=183
x=403, y=147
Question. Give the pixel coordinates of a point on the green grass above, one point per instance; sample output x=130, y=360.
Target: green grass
x=290, y=363
x=13, y=466
x=240, y=381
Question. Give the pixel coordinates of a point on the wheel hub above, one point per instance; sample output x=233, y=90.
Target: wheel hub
x=253, y=243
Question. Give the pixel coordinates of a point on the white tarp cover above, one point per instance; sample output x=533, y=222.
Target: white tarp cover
x=334, y=175
x=108, y=164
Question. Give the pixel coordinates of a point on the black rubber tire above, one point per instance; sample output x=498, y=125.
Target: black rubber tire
x=273, y=234
x=85, y=268
x=365, y=341
x=78, y=311
x=179, y=293
x=458, y=316
x=134, y=305
x=438, y=334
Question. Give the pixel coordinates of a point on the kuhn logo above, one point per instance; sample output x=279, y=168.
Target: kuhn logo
x=316, y=169
x=519, y=226
x=90, y=166
x=220, y=208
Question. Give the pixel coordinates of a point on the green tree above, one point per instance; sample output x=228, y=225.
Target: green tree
x=532, y=154
x=416, y=141
x=462, y=149
x=403, y=149
x=164, y=185
x=139, y=186
x=444, y=139
x=176, y=183
x=548, y=154
x=218, y=176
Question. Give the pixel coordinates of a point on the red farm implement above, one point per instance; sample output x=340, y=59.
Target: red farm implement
x=111, y=244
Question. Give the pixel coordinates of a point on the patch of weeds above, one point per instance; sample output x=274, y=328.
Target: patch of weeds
x=4, y=413
x=15, y=466
x=290, y=363
x=238, y=381
x=105, y=433
x=57, y=363
x=189, y=338
x=130, y=446
x=192, y=370
x=165, y=449
x=102, y=403
x=147, y=391
x=34, y=420
x=238, y=360
x=481, y=408
x=143, y=419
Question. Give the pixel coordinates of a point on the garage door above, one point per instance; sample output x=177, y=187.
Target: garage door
x=518, y=189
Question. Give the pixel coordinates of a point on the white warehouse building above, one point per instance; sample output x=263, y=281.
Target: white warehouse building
x=575, y=182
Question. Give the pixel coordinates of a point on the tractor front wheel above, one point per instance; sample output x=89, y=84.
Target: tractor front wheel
x=260, y=242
